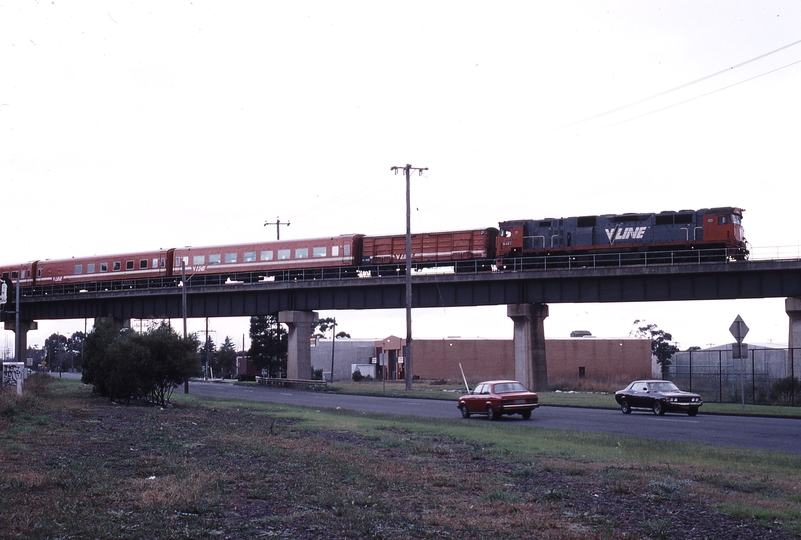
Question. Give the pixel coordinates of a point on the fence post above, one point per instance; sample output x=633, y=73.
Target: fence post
x=720, y=376
x=753, y=380
x=691, y=371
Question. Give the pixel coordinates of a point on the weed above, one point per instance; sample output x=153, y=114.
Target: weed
x=669, y=488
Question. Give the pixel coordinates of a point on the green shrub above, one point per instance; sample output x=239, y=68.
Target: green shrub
x=126, y=365
x=786, y=391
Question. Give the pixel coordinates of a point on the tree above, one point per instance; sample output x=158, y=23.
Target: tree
x=661, y=343
x=268, y=344
x=75, y=346
x=322, y=326
x=56, y=352
x=207, y=353
x=226, y=357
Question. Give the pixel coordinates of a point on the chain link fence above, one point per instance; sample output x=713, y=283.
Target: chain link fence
x=766, y=376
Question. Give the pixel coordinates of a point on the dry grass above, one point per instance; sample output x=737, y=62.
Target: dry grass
x=73, y=466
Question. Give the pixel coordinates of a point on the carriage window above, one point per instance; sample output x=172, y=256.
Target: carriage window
x=230, y=257
x=266, y=255
x=214, y=259
x=283, y=254
x=335, y=251
x=155, y=263
x=347, y=250
x=79, y=269
x=250, y=256
x=104, y=267
x=198, y=260
x=90, y=268
x=117, y=266
x=143, y=263
x=302, y=253
x=14, y=274
x=129, y=265
x=319, y=252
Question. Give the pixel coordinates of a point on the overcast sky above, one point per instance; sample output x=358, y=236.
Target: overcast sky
x=127, y=126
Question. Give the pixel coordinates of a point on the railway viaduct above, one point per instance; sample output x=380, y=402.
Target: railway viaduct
x=526, y=294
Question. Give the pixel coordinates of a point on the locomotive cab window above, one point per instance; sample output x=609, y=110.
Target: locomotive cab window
x=722, y=220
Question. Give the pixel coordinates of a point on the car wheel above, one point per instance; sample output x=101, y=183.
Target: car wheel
x=624, y=406
x=526, y=415
x=491, y=414
x=692, y=411
x=465, y=412
x=659, y=408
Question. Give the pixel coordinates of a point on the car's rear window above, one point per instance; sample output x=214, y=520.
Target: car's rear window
x=506, y=388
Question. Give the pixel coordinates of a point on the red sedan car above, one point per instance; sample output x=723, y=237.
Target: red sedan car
x=496, y=398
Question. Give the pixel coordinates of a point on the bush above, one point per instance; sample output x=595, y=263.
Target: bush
x=127, y=365
x=357, y=376
x=781, y=393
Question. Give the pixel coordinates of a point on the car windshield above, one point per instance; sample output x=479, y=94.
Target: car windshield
x=664, y=386
x=507, y=388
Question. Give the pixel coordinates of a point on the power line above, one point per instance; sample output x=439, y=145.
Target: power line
x=646, y=99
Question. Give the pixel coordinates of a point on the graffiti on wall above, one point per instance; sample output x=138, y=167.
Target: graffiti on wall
x=13, y=375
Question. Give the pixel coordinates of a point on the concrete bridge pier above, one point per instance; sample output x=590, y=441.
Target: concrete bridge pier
x=529, y=344
x=792, y=306
x=298, y=358
x=21, y=337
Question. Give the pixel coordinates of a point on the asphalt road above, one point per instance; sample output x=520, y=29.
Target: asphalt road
x=762, y=433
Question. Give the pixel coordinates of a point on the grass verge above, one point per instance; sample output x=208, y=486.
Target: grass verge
x=76, y=466
x=600, y=398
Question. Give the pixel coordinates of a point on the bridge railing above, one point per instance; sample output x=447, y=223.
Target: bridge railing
x=517, y=264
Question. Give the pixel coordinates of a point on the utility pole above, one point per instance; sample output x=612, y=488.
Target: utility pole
x=207, y=347
x=408, y=356
x=277, y=227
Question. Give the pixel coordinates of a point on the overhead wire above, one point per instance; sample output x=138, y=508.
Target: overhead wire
x=639, y=102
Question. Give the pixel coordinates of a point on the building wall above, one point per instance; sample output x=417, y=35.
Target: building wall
x=484, y=359
x=625, y=359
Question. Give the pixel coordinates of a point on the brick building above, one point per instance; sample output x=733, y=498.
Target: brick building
x=483, y=359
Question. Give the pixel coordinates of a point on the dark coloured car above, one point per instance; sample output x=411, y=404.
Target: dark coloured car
x=657, y=396
x=496, y=398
